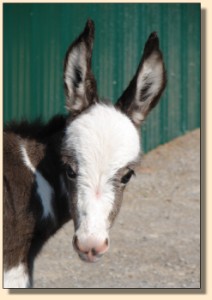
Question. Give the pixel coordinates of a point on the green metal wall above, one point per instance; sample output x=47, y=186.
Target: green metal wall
x=36, y=37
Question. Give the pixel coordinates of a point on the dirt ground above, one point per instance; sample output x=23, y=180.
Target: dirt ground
x=155, y=241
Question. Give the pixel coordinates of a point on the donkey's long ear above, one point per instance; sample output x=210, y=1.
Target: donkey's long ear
x=80, y=84
x=147, y=85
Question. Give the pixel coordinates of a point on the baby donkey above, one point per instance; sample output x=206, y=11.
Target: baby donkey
x=76, y=166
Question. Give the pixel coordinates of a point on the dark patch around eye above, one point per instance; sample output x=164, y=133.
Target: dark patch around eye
x=77, y=76
x=70, y=173
x=127, y=176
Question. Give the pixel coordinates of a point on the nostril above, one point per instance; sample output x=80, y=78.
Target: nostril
x=75, y=243
x=75, y=239
x=106, y=242
x=94, y=252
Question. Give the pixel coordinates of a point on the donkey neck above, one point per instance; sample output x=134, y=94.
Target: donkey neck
x=40, y=146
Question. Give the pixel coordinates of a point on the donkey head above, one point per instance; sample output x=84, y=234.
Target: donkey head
x=101, y=145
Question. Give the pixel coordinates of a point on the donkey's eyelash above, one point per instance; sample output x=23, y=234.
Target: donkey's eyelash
x=132, y=171
x=71, y=174
x=127, y=176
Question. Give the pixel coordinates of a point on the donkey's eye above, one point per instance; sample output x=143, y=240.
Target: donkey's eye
x=70, y=173
x=127, y=176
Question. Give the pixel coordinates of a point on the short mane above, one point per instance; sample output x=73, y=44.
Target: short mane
x=37, y=129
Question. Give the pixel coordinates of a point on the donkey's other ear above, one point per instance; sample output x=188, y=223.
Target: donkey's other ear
x=146, y=87
x=80, y=84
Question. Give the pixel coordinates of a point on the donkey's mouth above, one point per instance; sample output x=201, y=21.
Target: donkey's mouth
x=89, y=257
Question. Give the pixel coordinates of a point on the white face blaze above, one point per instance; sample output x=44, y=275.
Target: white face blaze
x=101, y=142
x=104, y=140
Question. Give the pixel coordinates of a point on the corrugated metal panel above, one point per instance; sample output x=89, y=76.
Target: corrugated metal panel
x=36, y=37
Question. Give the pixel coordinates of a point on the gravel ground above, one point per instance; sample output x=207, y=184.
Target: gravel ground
x=155, y=241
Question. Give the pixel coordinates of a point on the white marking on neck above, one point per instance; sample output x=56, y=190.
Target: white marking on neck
x=16, y=277
x=26, y=159
x=44, y=189
x=46, y=192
